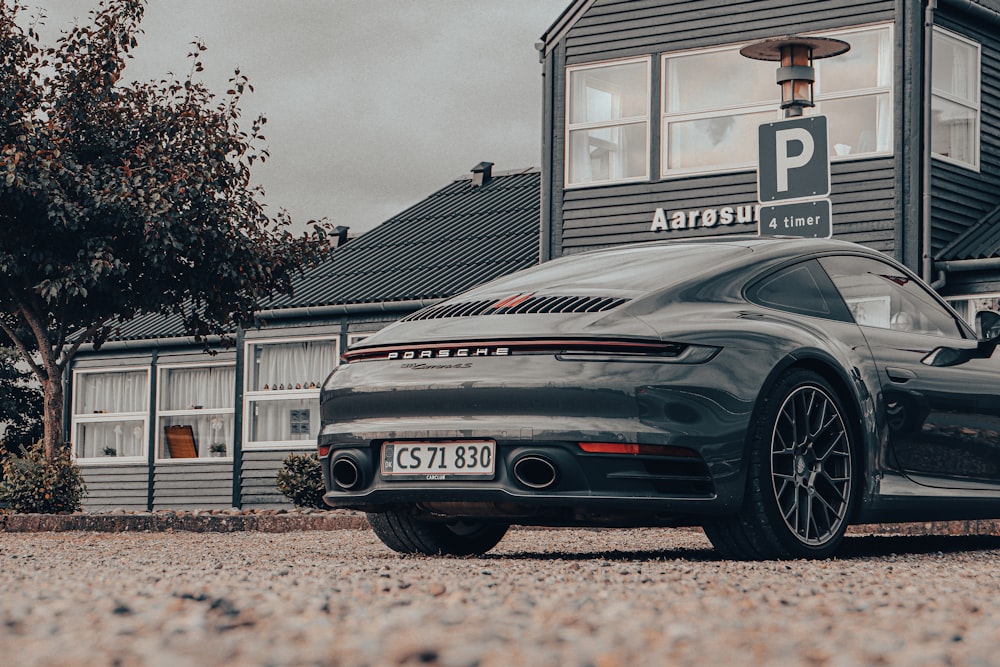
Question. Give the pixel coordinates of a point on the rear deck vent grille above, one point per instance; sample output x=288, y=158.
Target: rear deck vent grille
x=532, y=305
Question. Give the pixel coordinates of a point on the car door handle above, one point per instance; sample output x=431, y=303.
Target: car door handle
x=900, y=374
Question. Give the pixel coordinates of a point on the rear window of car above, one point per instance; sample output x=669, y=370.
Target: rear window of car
x=804, y=289
x=637, y=268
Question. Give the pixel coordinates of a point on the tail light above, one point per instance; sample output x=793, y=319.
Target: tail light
x=635, y=449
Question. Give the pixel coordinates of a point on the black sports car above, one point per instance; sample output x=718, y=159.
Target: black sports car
x=772, y=391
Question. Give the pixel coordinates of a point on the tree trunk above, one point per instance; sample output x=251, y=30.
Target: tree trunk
x=53, y=438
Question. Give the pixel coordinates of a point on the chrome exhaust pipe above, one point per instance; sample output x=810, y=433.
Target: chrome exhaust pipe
x=346, y=473
x=535, y=472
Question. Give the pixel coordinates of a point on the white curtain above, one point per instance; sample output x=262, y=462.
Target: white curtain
x=964, y=86
x=112, y=392
x=111, y=439
x=883, y=121
x=208, y=388
x=298, y=365
x=579, y=140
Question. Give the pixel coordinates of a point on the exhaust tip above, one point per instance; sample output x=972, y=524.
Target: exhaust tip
x=535, y=472
x=346, y=473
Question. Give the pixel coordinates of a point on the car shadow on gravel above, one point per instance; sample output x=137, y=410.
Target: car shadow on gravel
x=877, y=546
x=706, y=554
x=854, y=547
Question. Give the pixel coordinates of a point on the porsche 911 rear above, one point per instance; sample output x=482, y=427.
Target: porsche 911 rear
x=533, y=429
x=563, y=395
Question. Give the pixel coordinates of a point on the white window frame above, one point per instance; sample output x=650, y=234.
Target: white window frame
x=252, y=396
x=78, y=419
x=973, y=105
x=600, y=125
x=772, y=105
x=159, y=443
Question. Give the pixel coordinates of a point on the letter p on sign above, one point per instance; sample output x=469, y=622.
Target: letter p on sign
x=793, y=159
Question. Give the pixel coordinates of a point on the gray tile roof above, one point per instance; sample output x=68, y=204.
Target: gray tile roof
x=981, y=241
x=459, y=237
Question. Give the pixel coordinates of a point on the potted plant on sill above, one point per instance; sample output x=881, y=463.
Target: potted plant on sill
x=217, y=450
x=110, y=451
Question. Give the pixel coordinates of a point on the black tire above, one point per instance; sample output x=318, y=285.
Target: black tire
x=802, y=483
x=409, y=535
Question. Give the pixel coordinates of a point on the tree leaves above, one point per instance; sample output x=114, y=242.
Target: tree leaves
x=117, y=199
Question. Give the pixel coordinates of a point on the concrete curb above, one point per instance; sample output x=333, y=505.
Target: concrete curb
x=174, y=521
x=231, y=521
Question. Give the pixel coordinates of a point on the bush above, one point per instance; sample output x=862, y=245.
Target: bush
x=301, y=480
x=33, y=484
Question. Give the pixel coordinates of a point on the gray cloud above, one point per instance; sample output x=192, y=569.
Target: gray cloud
x=371, y=104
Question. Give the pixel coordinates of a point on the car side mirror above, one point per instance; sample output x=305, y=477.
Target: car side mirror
x=987, y=324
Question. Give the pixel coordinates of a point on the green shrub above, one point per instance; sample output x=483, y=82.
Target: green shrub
x=32, y=484
x=301, y=480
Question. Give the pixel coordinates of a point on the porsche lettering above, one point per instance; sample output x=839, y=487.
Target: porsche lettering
x=448, y=352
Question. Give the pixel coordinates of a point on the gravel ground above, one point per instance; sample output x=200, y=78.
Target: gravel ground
x=542, y=597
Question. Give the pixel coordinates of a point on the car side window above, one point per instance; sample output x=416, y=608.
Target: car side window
x=804, y=289
x=880, y=295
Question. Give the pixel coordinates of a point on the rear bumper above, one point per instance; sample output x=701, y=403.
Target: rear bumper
x=547, y=481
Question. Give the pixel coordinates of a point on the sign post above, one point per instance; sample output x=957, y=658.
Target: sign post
x=794, y=155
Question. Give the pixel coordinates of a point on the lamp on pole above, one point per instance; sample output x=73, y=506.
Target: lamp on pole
x=796, y=73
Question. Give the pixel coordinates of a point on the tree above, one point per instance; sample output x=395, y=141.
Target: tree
x=118, y=198
x=20, y=405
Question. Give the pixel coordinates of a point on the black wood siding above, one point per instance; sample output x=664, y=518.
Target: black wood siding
x=960, y=197
x=619, y=28
x=259, y=478
x=116, y=487
x=866, y=193
x=189, y=486
x=864, y=203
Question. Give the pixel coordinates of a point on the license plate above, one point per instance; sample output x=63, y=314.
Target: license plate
x=466, y=459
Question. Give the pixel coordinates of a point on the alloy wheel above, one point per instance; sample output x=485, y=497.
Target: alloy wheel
x=811, y=467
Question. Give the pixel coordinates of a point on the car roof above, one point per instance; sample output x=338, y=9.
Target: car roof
x=778, y=245
x=641, y=268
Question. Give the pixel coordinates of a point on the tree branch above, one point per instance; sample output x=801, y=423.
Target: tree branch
x=23, y=349
x=80, y=340
x=40, y=330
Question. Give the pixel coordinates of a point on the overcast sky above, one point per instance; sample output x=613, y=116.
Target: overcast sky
x=372, y=104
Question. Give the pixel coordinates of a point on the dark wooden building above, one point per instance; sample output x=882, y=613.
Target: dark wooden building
x=651, y=115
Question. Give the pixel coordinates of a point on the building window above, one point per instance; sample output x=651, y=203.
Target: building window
x=110, y=415
x=195, y=412
x=968, y=306
x=854, y=90
x=955, y=99
x=282, y=390
x=353, y=338
x=714, y=99
x=607, y=112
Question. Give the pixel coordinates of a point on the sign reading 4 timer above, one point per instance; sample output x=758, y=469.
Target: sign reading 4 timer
x=793, y=178
x=811, y=219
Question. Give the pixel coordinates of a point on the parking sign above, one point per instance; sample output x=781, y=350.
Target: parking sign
x=793, y=159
